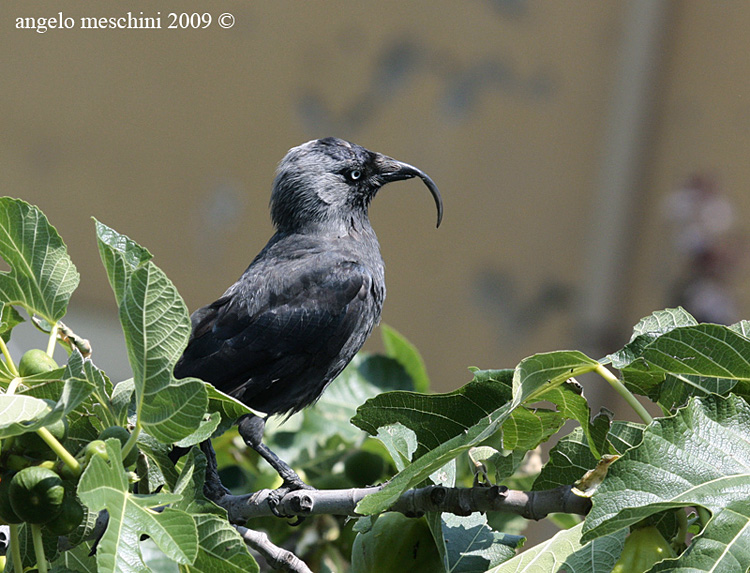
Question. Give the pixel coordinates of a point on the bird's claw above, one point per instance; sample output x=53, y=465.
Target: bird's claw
x=274, y=499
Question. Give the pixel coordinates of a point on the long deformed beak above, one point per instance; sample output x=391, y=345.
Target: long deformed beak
x=392, y=170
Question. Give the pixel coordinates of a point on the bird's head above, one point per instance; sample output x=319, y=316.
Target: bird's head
x=330, y=182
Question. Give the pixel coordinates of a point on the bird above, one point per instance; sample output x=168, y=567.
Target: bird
x=309, y=300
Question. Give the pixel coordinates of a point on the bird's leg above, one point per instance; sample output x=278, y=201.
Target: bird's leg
x=213, y=489
x=251, y=428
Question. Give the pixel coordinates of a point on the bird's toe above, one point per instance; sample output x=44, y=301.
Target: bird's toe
x=274, y=498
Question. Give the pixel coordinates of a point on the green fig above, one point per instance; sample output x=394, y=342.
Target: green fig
x=36, y=494
x=36, y=361
x=396, y=543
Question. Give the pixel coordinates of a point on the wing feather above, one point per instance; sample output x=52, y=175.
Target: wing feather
x=289, y=327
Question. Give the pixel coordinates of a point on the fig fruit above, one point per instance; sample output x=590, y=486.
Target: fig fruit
x=7, y=515
x=30, y=444
x=363, y=468
x=36, y=494
x=95, y=448
x=123, y=435
x=70, y=516
x=396, y=543
x=36, y=361
x=643, y=548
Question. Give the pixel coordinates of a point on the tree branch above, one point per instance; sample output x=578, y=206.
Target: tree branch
x=277, y=558
x=460, y=501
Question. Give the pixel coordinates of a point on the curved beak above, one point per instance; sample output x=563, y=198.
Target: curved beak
x=392, y=170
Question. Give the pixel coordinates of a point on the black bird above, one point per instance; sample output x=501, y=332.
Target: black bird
x=306, y=304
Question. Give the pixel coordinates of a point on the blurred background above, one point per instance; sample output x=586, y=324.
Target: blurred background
x=592, y=156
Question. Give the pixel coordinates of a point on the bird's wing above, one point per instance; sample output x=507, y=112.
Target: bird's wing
x=258, y=333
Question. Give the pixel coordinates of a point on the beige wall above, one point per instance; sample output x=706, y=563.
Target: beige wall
x=702, y=126
x=172, y=137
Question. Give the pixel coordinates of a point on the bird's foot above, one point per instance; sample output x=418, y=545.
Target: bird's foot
x=250, y=428
x=213, y=489
x=275, y=497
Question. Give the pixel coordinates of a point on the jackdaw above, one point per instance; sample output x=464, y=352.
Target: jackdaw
x=306, y=304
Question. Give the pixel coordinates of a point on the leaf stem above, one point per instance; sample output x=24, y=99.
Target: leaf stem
x=130, y=444
x=8, y=360
x=52, y=339
x=704, y=515
x=109, y=418
x=15, y=548
x=680, y=540
x=13, y=385
x=36, y=536
x=624, y=392
x=60, y=450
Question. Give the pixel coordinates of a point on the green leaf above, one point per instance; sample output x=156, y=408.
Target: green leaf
x=104, y=485
x=9, y=319
x=20, y=414
x=569, y=459
x=400, y=441
x=102, y=396
x=698, y=457
x=156, y=326
x=469, y=545
x=504, y=467
x=71, y=388
x=709, y=350
x=569, y=399
x=366, y=376
x=301, y=437
x=724, y=547
x=77, y=386
x=122, y=400
x=742, y=327
x=527, y=428
x=645, y=383
x=531, y=378
x=691, y=361
x=5, y=375
x=625, y=435
x=221, y=548
x=403, y=351
x=230, y=409
x=540, y=373
x=42, y=277
x=565, y=520
x=189, y=484
x=155, y=560
x=103, y=386
x=203, y=432
x=649, y=329
x=45, y=385
x=161, y=470
x=27, y=552
x=121, y=256
x=436, y=418
x=413, y=474
x=566, y=553
x=77, y=559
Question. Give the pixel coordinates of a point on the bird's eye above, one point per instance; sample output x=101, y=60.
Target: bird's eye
x=355, y=174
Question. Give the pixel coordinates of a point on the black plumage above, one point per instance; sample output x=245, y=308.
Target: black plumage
x=309, y=300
